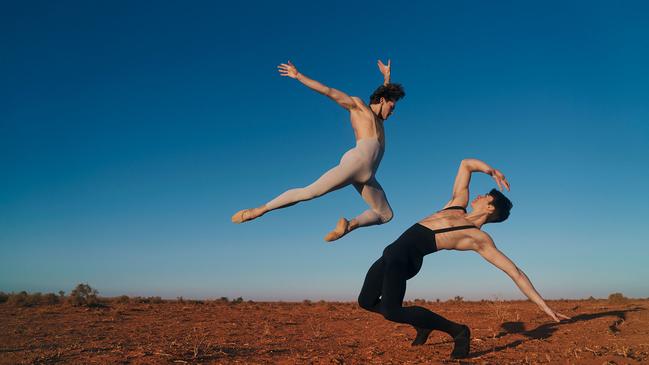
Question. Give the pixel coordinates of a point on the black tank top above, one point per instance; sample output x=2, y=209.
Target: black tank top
x=429, y=244
x=419, y=240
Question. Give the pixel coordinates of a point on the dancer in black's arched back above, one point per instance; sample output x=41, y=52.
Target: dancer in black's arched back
x=452, y=228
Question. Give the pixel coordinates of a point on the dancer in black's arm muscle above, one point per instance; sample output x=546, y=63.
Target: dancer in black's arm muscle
x=451, y=228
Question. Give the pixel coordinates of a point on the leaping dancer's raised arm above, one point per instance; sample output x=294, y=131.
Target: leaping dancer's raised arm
x=463, y=178
x=385, y=71
x=344, y=100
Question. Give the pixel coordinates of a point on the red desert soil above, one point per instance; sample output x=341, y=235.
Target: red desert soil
x=215, y=332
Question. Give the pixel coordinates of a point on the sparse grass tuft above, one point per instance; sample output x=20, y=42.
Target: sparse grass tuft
x=147, y=300
x=456, y=299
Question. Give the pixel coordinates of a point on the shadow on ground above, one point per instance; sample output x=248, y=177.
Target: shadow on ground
x=546, y=330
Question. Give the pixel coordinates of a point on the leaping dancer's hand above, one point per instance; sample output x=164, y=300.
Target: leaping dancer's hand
x=385, y=70
x=288, y=69
x=555, y=315
x=500, y=179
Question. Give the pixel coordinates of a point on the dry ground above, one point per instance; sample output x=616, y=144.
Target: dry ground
x=513, y=332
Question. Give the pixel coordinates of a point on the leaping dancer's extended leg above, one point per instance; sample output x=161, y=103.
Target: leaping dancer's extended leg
x=334, y=179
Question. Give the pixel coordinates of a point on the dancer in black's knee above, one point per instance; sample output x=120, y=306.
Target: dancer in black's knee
x=451, y=228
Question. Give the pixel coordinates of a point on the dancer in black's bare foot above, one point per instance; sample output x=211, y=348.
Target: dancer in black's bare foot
x=451, y=228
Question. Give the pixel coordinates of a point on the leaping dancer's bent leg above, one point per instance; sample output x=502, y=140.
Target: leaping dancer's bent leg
x=379, y=212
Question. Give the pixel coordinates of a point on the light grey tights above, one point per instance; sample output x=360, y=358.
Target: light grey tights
x=358, y=167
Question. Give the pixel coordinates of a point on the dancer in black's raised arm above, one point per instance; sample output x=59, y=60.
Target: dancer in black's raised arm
x=451, y=228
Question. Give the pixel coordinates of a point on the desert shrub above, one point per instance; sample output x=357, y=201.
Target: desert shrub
x=34, y=299
x=155, y=300
x=237, y=301
x=617, y=298
x=224, y=299
x=19, y=299
x=123, y=299
x=3, y=297
x=51, y=298
x=307, y=302
x=84, y=295
x=180, y=300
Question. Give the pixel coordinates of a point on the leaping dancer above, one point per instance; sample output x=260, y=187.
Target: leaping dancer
x=357, y=166
x=451, y=228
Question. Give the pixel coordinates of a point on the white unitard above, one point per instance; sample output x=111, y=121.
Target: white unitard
x=357, y=167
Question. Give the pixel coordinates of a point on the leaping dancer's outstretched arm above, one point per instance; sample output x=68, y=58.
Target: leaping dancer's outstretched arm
x=344, y=100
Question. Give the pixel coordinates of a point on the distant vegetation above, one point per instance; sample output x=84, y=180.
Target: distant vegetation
x=617, y=298
x=83, y=295
x=23, y=299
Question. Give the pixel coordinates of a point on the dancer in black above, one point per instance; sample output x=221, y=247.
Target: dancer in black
x=452, y=228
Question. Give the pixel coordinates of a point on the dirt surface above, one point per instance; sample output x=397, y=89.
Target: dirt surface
x=214, y=332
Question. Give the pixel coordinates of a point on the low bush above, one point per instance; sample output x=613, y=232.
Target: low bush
x=617, y=298
x=123, y=299
x=84, y=295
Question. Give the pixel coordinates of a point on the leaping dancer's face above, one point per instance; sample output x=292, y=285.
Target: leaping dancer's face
x=387, y=108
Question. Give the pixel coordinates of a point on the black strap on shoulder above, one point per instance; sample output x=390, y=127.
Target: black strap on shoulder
x=448, y=229
x=455, y=207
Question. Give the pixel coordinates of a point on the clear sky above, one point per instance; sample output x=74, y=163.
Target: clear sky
x=130, y=132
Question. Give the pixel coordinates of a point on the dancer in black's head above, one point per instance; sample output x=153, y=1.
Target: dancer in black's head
x=451, y=228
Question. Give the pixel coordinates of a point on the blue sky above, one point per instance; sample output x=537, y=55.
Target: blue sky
x=130, y=132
